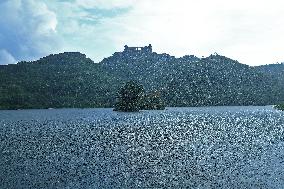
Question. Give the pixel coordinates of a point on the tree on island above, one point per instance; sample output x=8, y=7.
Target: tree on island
x=279, y=107
x=153, y=101
x=129, y=97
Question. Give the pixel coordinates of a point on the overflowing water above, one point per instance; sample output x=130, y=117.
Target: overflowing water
x=210, y=147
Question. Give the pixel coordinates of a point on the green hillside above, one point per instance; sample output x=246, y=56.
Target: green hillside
x=72, y=80
x=63, y=80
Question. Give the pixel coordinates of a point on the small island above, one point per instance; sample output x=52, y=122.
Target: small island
x=279, y=107
x=132, y=98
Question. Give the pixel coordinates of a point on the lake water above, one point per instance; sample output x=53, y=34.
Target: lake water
x=209, y=147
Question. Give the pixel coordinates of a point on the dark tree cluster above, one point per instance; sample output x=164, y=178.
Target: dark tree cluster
x=152, y=101
x=131, y=98
x=279, y=107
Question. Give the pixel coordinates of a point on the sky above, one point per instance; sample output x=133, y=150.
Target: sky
x=250, y=31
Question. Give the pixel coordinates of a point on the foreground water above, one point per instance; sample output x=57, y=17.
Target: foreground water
x=215, y=147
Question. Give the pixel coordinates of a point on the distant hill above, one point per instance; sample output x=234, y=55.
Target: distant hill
x=192, y=81
x=73, y=80
x=62, y=80
x=276, y=73
x=272, y=68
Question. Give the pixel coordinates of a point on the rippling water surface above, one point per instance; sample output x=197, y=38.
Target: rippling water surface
x=210, y=147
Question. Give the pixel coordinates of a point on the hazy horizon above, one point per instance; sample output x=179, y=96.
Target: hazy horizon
x=249, y=32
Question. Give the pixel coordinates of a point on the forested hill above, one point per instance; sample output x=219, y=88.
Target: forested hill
x=73, y=80
x=192, y=81
x=56, y=81
x=274, y=70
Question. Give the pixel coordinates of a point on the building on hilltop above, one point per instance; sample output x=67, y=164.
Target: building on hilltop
x=146, y=49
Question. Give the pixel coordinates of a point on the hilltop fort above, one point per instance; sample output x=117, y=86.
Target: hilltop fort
x=146, y=49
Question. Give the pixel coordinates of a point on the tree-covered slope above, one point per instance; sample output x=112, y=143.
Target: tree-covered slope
x=276, y=73
x=72, y=80
x=63, y=80
x=190, y=81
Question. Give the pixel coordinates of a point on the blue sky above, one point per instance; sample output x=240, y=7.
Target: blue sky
x=248, y=31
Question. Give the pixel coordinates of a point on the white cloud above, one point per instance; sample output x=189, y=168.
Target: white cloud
x=6, y=58
x=103, y=4
x=28, y=29
x=87, y=26
x=248, y=31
